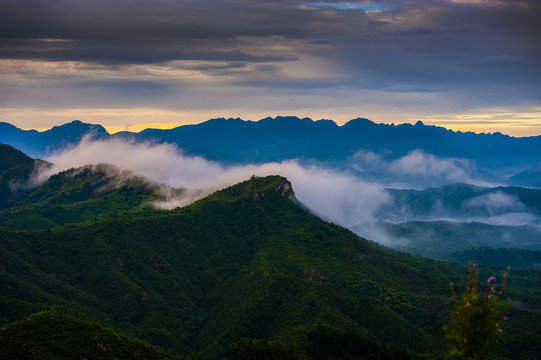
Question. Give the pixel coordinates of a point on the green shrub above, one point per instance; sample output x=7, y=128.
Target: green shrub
x=476, y=323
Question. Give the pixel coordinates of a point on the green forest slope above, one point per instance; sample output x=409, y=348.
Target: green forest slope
x=15, y=170
x=245, y=262
x=53, y=335
x=79, y=195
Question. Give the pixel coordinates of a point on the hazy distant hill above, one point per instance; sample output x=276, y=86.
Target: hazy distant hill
x=443, y=239
x=459, y=201
x=528, y=177
x=496, y=256
x=439, y=222
x=280, y=138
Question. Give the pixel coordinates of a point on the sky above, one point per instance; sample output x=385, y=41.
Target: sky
x=132, y=64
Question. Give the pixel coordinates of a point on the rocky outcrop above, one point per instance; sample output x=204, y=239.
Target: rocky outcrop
x=285, y=189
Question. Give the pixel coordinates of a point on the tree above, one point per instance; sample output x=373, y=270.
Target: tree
x=476, y=322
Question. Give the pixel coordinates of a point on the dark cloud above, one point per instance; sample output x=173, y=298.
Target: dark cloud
x=147, y=32
x=119, y=55
x=142, y=21
x=134, y=32
x=410, y=46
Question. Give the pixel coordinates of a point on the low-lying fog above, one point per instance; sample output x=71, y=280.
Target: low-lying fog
x=348, y=197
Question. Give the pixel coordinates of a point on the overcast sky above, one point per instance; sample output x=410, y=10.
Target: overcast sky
x=463, y=64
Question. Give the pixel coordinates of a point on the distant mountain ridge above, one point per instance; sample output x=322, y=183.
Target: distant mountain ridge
x=528, y=177
x=40, y=143
x=287, y=137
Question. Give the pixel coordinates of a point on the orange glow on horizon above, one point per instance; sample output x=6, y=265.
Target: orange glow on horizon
x=518, y=123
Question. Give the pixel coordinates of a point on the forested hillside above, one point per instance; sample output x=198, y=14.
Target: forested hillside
x=15, y=170
x=79, y=195
x=245, y=262
x=57, y=336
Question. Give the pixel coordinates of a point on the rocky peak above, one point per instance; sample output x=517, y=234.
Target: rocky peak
x=285, y=189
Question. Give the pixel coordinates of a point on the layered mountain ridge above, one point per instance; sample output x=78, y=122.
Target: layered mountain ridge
x=237, y=141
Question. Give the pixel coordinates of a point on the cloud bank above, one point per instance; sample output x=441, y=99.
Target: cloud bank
x=495, y=203
x=337, y=196
x=417, y=170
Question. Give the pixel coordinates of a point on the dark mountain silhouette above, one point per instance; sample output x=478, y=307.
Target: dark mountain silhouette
x=288, y=137
x=38, y=144
x=281, y=138
x=11, y=157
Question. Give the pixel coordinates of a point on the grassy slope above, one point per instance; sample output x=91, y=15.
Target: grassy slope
x=234, y=265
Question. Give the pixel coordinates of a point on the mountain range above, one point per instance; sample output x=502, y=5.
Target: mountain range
x=236, y=141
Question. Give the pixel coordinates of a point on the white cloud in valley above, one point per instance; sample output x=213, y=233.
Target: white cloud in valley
x=341, y=196
x=417, y=170
x=335, y=195
x=496, y=203
x=419, y=164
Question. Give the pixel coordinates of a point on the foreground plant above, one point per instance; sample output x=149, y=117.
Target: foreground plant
x=476, y=323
